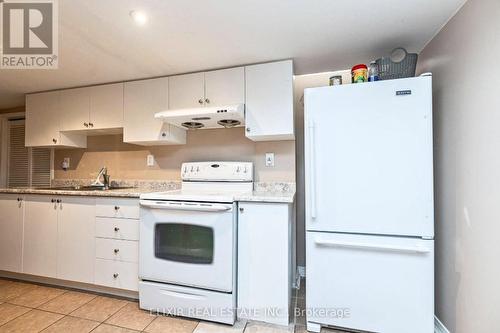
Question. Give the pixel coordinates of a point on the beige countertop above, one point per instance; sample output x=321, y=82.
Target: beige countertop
x=255, y=196
x=120, y=193
x=261, y=196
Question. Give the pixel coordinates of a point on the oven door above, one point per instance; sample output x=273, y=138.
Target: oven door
x=187, y=243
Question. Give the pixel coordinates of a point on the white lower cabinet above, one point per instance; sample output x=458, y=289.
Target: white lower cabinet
x=265, y=261
x=117, y=274
x=115, y=228
x=117, y=243
x=40, y=236
x=76, y=239
x=11, y=232
x=115, y=249
x=61, y=237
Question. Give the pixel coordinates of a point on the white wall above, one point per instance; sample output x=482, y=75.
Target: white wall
x=464, y=58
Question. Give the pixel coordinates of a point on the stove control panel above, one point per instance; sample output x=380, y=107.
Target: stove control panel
x=217, y=171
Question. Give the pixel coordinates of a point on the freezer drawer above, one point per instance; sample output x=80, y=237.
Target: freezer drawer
x=371, y=283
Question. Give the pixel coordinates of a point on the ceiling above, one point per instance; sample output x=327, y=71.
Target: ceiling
x=99, y=42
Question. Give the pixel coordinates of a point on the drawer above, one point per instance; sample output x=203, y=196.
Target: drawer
x=118, y=208
x=107, y=227
x=116, y=274
x=113, y=249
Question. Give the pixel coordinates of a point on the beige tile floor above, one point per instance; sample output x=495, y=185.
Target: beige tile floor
x=27, y=307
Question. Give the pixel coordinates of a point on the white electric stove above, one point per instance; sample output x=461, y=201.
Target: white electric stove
x=187, y=249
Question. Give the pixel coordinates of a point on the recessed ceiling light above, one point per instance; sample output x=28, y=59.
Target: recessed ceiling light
x=139, y=17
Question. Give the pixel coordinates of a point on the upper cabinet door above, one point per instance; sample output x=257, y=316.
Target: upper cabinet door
x=186, y=91
x=106, y=106
x=75, y=107
x=142, y=99
x=225, y=87
x=42, y=119
x=269, y=101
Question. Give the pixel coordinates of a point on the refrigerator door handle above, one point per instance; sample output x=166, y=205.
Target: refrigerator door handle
x=312, y=171
x=367, y=246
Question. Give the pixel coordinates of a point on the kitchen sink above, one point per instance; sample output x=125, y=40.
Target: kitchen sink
x=84, y=188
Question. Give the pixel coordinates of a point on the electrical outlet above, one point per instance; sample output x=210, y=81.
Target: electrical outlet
x=269, y=159
x=150, y=161
x=65, y=163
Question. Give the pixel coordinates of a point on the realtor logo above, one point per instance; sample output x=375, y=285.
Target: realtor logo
x=29, y=37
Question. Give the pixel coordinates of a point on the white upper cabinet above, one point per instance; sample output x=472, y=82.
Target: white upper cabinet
x=11, y=232
x=75, y=109
x=64, y=118
x=269, y=101
x=106, y=106
x=43, y=116
x=91, y=108
x=186, y=91
x=42, y=119
x=142, y=99
x=225, y=87
x=214, y=88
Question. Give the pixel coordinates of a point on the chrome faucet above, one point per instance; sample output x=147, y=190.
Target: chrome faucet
x=104, y=174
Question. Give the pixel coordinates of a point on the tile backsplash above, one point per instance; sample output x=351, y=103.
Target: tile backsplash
x=128, y=162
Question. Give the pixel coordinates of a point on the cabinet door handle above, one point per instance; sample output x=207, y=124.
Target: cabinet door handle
x=242, y=209
x=248, y=129
x=85, y=124
x=116, y=251
x=115, y=275
x=117, y=229
x=117, y=208
x=58, y=200
x=200, y=101
x=207, y=100
x=54, y=140
x=91, y=124
x=52, y=200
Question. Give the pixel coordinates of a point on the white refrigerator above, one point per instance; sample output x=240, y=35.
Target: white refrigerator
x=369, y=206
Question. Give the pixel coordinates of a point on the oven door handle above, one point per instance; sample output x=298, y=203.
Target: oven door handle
x=190, y=206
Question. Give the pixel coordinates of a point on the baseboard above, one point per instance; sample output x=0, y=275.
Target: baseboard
x=439, y=327
x=70, y=285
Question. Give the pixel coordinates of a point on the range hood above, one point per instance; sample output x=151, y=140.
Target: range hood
x=207, y=117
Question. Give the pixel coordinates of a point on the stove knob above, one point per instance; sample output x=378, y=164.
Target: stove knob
x=192, y=169
x=245, y=171
x=238, y=169
x=197, y=169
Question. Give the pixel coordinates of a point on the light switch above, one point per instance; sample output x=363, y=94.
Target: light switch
x=150, y=160
x=269, y=159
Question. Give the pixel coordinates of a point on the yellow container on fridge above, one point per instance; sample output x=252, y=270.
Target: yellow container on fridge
x=359, y=73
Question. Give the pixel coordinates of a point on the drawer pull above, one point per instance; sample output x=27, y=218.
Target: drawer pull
x=117, y=229
x=115, y=275
x=116, y=251
x=117, y=208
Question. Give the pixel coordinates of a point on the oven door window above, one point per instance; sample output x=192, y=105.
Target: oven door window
x=186, y=243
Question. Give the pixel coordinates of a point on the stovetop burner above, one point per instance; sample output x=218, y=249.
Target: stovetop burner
x=228, y=123
x=192, y=124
